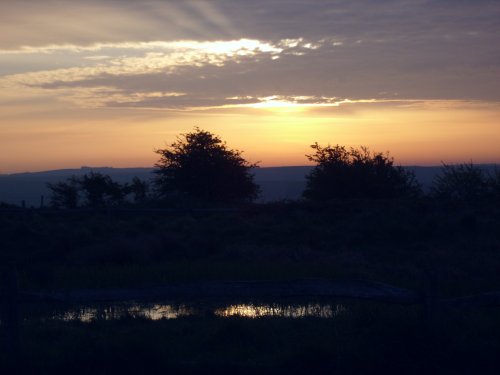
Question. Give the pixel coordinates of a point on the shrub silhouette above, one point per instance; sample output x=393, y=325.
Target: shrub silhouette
x=65, y=194
x=462, y=182
x=201, y=166
x=494, y=185
x=100, y=190
x=342, y=173
x=139, y=190
x=96, y=190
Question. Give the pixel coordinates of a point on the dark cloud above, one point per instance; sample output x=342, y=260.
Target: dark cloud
x=385, y=49
x=356, y=71
x=89, y=21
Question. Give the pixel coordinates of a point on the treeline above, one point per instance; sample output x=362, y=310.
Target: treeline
x=199, y=168
x=97, y=190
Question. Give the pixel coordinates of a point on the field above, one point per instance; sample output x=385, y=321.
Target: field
x=403, y=243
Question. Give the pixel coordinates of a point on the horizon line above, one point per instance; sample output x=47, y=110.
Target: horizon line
x=86, y=167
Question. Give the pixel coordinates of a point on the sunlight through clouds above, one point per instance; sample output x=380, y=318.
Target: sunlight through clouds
x=137, y=58
x=230, y=47
x=153, y=57
x=272, y=76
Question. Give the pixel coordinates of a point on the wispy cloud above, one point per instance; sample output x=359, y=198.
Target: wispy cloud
x=240, y=46
x=122, y=61
x=76, y=74
x=133, y=54
x=142, y=57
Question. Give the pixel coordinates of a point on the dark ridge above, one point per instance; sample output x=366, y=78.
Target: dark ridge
x=277, y=183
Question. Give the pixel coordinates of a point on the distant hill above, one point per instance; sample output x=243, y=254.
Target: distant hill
x=14, y=188
x=277, y=183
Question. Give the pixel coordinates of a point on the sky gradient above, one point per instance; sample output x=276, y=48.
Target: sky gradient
x=104, y=83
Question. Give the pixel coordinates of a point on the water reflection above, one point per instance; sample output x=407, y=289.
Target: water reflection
x=168, y=311
x=152, y=312
x=297, y=311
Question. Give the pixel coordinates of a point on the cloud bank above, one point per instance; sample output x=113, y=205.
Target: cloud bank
x=203, y=54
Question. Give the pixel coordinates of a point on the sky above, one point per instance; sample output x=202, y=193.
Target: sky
x=105, y=83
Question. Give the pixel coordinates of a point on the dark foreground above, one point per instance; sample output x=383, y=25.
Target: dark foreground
x=405, y=244
x=365, y=340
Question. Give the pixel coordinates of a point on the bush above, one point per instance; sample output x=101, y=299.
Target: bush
x=356, y=173
x=200, y=165
x=95, y=190
x=462, y=182
x=65, y=193
x=100, y=190
x=494, y=185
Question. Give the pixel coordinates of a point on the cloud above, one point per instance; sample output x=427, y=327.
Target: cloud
x=102, y=79
x=229, y=47
x=85, y=22
x=31, y=22
x=126, y=53
x=140, y=57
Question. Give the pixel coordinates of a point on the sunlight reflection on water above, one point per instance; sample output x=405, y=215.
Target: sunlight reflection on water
x=166, y=311
x=300, y=311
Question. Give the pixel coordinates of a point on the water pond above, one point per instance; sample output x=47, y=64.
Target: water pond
x=157, y=311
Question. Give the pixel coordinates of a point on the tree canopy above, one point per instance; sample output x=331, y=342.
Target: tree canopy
x=201, y=166
x=466, y=183
x=95, y=190
x=65, y=193
x=100, y=190
x=342, y=173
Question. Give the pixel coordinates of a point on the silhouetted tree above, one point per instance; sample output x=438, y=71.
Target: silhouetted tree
x=356, y=173
x=201, y=166
x=100, y=190
x=65, y=194
x=494, y=184
x=97, y=189
x=462, y=182
x=139, y=189
x=8, y=205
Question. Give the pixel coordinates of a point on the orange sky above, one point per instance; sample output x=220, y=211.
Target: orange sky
x=104, y=83
x=416, y=135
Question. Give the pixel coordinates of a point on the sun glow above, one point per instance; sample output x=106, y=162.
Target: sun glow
x=259, y=311
x=277, y=105
x=280, y=103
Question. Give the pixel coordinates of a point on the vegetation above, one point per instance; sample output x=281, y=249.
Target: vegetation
x=363, y=218
x=356, y=173
x=95, y=190
x=494, y=185
x=389, y=241
x=65, y=194
x=466, y=183
x=7, y=205
x=367, y=339
x=139, y=189
x=201, y=166
x=463, y=182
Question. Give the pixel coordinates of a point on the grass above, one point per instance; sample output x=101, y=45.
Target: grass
x=369, y=338
x=397, y=242
x=393, y=242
